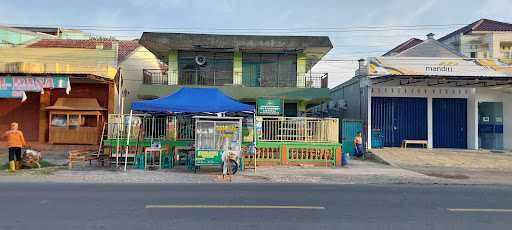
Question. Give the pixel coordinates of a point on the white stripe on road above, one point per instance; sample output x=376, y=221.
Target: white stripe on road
x=478, y=210
x=235, y=206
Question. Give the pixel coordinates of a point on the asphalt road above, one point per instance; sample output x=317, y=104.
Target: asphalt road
x=253, y=206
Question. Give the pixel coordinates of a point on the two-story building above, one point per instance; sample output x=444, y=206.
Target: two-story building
x=482, y=39
x=245, y=67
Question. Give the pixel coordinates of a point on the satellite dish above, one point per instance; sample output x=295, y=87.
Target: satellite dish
x=200, y=60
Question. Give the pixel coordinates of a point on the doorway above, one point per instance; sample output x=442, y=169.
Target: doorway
x=490, y=125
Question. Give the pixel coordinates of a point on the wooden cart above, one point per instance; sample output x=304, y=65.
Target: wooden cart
x=75, y=121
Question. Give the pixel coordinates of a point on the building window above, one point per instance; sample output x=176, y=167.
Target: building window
x=473, y=54
x=218, y=69
x=269, y=70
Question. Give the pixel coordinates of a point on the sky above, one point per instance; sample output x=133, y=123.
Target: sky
x=357, y=29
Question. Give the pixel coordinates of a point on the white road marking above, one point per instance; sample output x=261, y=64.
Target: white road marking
x=478, y=210
x=177, y=206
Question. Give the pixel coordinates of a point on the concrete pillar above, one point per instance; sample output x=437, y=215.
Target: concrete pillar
x=44, y=101
x=237, y=68
x=112, y=96
x=301, y=70
x=430, y=124
x=369, y=117
x=172, y=73
x=473, y=121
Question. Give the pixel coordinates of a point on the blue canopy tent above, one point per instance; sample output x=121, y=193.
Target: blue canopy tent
x=188, y=100
x=193, y=100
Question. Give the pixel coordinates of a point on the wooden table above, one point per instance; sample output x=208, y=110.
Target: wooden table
x=153, y=151
x=419, y=142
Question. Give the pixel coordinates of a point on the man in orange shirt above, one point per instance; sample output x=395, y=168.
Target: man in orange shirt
x=15, y=141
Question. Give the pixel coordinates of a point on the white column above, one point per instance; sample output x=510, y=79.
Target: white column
x=369, y=117
x=473, y=121
x=430, y=130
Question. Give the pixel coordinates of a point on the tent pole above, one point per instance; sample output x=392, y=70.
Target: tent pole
x=128, y=140
x=255, y=138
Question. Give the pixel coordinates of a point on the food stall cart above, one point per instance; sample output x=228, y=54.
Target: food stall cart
x=75, y=121
x=216, y=136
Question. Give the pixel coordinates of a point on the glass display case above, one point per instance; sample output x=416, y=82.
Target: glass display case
x=215, y=135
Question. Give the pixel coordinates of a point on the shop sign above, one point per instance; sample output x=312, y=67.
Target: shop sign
x=269, y=106
x=33, y=84
x=208, y=157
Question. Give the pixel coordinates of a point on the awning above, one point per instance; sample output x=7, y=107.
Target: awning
x=76, y=104
x=193, y=100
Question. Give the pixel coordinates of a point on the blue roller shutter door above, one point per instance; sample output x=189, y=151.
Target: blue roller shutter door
x=399, y=119
x=449, y=122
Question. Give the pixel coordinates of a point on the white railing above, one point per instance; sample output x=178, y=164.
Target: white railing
x=149, y=127
x=302, y=129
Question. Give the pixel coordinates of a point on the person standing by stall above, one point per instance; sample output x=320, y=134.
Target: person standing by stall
x=15, y=141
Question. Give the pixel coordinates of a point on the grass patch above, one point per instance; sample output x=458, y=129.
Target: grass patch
x=43, y=163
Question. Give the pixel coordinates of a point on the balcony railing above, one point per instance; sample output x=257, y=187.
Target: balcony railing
x=316, y=80
x=155, y=77
x=220, y=78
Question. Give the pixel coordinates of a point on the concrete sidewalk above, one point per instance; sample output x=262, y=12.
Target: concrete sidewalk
x=359, y=172
x=472, y=166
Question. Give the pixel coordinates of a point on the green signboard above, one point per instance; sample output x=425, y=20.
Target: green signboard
x=208, y=157
x=269, y=106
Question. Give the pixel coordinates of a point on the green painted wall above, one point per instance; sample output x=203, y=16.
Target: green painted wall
x=74, y=35
x=12, y=37
x=172, y=74
x=301, y=69
x=301, y=106
x=237, y=68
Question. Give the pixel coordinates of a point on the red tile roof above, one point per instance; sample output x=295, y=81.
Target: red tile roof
x=480, y=25
x=125, y=47
x=70, y=43
x=404, y=46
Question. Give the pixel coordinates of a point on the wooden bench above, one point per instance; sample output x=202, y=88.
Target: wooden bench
x=80, y=156
x=417, y=142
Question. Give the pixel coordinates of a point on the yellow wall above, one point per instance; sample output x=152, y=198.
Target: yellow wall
x=59, y=61
x=131, y=69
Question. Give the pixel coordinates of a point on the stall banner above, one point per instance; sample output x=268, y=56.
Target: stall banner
x=34, y=84
x=269, y=106
x=382, y=66
x=12, y=94
x=208, y=157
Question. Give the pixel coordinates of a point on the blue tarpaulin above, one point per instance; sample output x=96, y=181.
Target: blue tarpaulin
x=193, y=100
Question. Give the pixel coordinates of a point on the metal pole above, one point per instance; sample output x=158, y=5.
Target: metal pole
x=118, y=141
x=255, y=139
x=128, y=140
